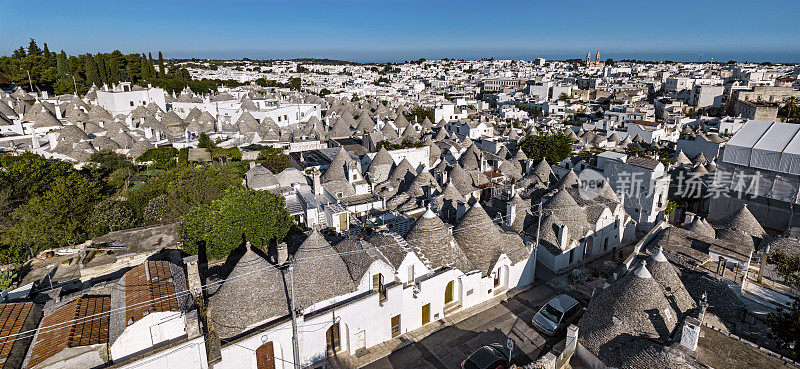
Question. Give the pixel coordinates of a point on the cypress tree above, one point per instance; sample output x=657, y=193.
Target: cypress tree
x=61, y=63
x=101, y=68
x=145, y=68
x=19, y=53
x=34, y=49
x=46, y=50
x=161, y=69
x=92, y=71
x=152, y=66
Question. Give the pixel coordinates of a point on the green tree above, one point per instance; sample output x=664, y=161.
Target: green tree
x=161, y=69
x=182, y=188
x=92, y=71
x=553, y=148
x=240, y=215
x=564, y=97
x=107, y=161
x=57, y=217
x=145, y=69
x=788, y=266
x=273, y=159
x=19, y=53
x=160, y=158
x=204, y=142
x=111, y=215
x=33, y=49
x=785, y=326
x=29, y=175
x=61, y=63
x=295, y=83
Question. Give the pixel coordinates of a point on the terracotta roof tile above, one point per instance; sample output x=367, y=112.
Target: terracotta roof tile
x=12, y=317
x=79, y=323
x=149, y=289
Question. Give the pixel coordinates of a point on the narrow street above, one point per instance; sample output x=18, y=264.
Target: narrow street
x=449, y=346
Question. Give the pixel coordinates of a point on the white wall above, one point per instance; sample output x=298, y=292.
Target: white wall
x=155, y=328
x=366, y=320
x=191, y=354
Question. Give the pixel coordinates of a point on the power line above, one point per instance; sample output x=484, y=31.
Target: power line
x=60, y=325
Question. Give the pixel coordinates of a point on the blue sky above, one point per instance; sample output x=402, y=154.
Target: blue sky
x=385, y=30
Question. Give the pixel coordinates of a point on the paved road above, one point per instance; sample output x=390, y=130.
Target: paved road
x=449, y=346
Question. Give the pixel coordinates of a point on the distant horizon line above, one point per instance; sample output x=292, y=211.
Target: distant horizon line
x=402, y=61
x=791, y=57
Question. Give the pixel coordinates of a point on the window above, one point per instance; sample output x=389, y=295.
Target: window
x=497, y=278
x=395, y=326
x=379, y=287
x=131, y=103
x=410, y=274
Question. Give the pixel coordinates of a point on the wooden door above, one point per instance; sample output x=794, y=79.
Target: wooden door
x=448, y=293
x=426, y=314
x=332, y=338
x=395, y=326
x=265, y=356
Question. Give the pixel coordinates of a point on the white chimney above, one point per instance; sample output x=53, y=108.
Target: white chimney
x=35, y=140
x=563, y=235
x=317, y=183
x=511, y=213
x=690, y=333
x=283, y=253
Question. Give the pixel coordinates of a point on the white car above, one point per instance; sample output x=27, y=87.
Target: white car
x=552, y=316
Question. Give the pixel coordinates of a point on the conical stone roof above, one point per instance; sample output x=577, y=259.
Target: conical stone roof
x=253, y=293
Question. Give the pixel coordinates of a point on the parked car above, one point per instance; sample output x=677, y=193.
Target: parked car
x=493, y=356
x=556, y=314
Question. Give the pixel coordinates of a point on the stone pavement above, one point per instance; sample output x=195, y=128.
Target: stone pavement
x=448, y=341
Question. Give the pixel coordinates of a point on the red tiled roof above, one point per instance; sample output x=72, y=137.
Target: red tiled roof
x=148, y=296
x=81, y=322
x=647, y=123
x=12, y=317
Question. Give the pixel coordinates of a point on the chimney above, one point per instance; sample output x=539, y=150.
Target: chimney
x=461, y=209
x=52, y=138
x=58, y=110
x=193, y=275
x=690, y=333
x=563, y=235
x=511, y=214
x=317, y=183
x=283, y=253
x=572, y=338
x=35, y=140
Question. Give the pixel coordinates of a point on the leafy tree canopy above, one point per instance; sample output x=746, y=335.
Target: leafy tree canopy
x=240, y=215
x=554, y=148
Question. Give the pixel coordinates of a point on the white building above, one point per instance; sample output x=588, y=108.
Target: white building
x=644, y=185
x=123, y=98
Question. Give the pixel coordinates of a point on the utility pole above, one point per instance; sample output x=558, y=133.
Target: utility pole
x=538, y=226
x=296, y=346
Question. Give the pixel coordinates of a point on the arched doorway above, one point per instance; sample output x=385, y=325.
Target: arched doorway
x=448, y=293
x=333, y=339
x=265, y=356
